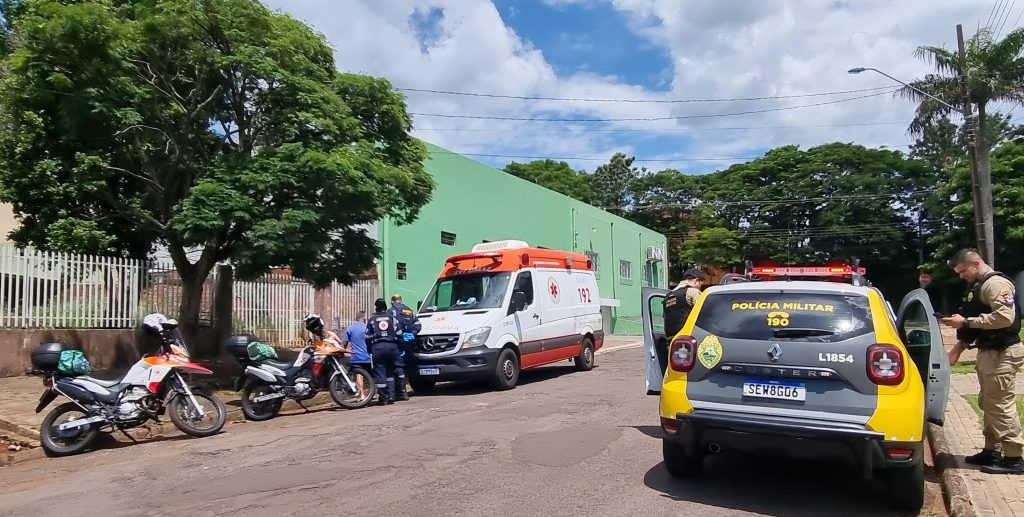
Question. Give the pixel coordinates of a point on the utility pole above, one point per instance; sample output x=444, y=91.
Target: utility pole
x=981, y=179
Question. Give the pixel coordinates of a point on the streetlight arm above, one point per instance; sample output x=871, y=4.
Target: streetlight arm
x=918, y=90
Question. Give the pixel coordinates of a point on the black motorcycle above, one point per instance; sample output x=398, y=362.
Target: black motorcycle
x=265, y=383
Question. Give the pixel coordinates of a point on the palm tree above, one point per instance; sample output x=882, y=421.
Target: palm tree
x=995, y=72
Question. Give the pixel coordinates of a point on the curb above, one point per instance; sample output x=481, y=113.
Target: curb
x=954, y=487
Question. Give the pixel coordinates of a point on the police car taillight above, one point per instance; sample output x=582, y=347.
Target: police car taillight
x=886, y=364
x=682, y=353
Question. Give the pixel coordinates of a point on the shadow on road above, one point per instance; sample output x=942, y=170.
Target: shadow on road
x=774, y=487
x=526, y=378
x=652, y=431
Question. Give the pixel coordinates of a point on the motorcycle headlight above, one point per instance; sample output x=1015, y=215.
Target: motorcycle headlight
x=477, y=337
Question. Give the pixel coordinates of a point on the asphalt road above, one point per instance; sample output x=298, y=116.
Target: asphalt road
x=561, y=443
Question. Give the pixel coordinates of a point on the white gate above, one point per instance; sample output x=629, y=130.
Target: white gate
x=272, y=308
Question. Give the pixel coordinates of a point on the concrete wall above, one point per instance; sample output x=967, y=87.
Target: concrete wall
x=105, y=349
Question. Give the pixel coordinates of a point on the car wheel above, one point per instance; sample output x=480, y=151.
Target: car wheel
x=506, y=373
x=904, y=487
x=678, y=462
x=585, y=361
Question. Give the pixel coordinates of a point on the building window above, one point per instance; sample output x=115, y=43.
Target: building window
x=625, y=270
x=594, y=256
x=448, y=238
x=647, y=269
x=400, y=271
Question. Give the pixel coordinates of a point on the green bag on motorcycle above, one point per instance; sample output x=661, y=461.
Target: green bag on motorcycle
x=73, y=362
x=259, y=351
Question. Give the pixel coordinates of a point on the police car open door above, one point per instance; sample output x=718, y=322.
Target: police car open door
x=654, y=336
x=919, y=329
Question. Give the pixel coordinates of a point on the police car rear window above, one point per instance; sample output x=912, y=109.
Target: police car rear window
x=790, y=316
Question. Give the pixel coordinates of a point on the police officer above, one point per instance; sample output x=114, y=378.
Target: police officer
x=382, y=338
x=410, y=329
x=676, y=308
x=989, y=320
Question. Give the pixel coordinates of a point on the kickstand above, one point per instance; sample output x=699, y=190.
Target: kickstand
x=303, y=406
x=130, y=437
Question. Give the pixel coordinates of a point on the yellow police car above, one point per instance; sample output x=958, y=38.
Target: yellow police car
x=818, y=369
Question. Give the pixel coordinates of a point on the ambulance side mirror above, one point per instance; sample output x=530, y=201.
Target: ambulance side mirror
x=518, y=302
x=418, y=305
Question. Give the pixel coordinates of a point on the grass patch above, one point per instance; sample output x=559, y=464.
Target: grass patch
x=973, y=401
x=963, y=367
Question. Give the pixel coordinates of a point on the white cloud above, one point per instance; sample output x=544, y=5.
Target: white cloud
x=730, y=49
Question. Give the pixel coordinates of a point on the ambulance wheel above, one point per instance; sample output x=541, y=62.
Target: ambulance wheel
x=421, y=385
x=585, y=361
x=506, y=374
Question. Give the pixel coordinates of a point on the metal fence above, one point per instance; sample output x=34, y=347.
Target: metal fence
x=64, y=290
x=272, y=308
x=347, y=300
x=61, y=290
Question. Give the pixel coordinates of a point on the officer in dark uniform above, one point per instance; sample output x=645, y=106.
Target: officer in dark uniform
x=410, y=329
x=676, y=308
x=382, y=338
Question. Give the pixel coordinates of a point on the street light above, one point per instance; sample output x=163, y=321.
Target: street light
x=860, y=69
x=981, y=192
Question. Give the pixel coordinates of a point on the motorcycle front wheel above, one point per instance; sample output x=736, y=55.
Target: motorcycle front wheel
x=72, y=441
x=263, y=410
x=189, y=421
x=345, y=397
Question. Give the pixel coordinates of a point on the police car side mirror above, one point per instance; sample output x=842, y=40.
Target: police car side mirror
x=518, y=302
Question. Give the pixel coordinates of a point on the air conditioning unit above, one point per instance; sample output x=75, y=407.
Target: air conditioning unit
x=655, y=254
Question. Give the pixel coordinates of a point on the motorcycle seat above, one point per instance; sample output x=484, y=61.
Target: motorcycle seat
x=101, y=382
x=280, y=365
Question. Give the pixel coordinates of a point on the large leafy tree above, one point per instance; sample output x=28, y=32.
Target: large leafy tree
x=995, y=72
x=209, y=125
x=613, y=181
x=555, y=175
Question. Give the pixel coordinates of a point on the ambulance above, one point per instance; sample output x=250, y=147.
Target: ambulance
x=502, y=308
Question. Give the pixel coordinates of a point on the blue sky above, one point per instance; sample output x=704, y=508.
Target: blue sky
x=628, y=63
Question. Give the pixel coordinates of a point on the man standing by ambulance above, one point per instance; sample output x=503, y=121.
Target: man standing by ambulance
x=410, y=329
x=989, y=319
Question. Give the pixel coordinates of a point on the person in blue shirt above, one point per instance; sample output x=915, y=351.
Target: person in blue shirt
x=355, y=340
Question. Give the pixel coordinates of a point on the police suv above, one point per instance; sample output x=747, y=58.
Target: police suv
x=806, y=362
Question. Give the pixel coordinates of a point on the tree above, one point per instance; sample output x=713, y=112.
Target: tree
x=554, y=175
x=712, y=247
x=995, y=72
x=213, y=125
x=612, y=182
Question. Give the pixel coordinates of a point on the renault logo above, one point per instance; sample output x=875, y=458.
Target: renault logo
x=775, y=352
x=428, y=345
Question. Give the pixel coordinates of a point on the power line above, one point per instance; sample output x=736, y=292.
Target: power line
x=555, y=158
x=1006, y=17
x=773, y=201
x=628, y=130
x=651, y=119
x=991, y=19
x=640, y=101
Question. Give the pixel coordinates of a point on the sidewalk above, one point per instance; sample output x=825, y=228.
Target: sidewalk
x=990, y=494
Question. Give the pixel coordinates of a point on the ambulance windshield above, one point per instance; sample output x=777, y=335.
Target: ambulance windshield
x=464, y=292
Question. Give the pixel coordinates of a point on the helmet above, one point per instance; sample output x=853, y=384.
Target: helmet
x=314, y=323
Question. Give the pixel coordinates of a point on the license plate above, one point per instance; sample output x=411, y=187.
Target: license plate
x=771, y=389
x=430, y=371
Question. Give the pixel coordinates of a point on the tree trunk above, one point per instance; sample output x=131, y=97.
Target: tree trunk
x=188, y=310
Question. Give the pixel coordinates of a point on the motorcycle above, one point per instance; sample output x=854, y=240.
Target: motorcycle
x=265, y=383
x=149, y=389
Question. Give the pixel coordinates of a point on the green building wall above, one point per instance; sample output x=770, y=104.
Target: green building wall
x=477, y=203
